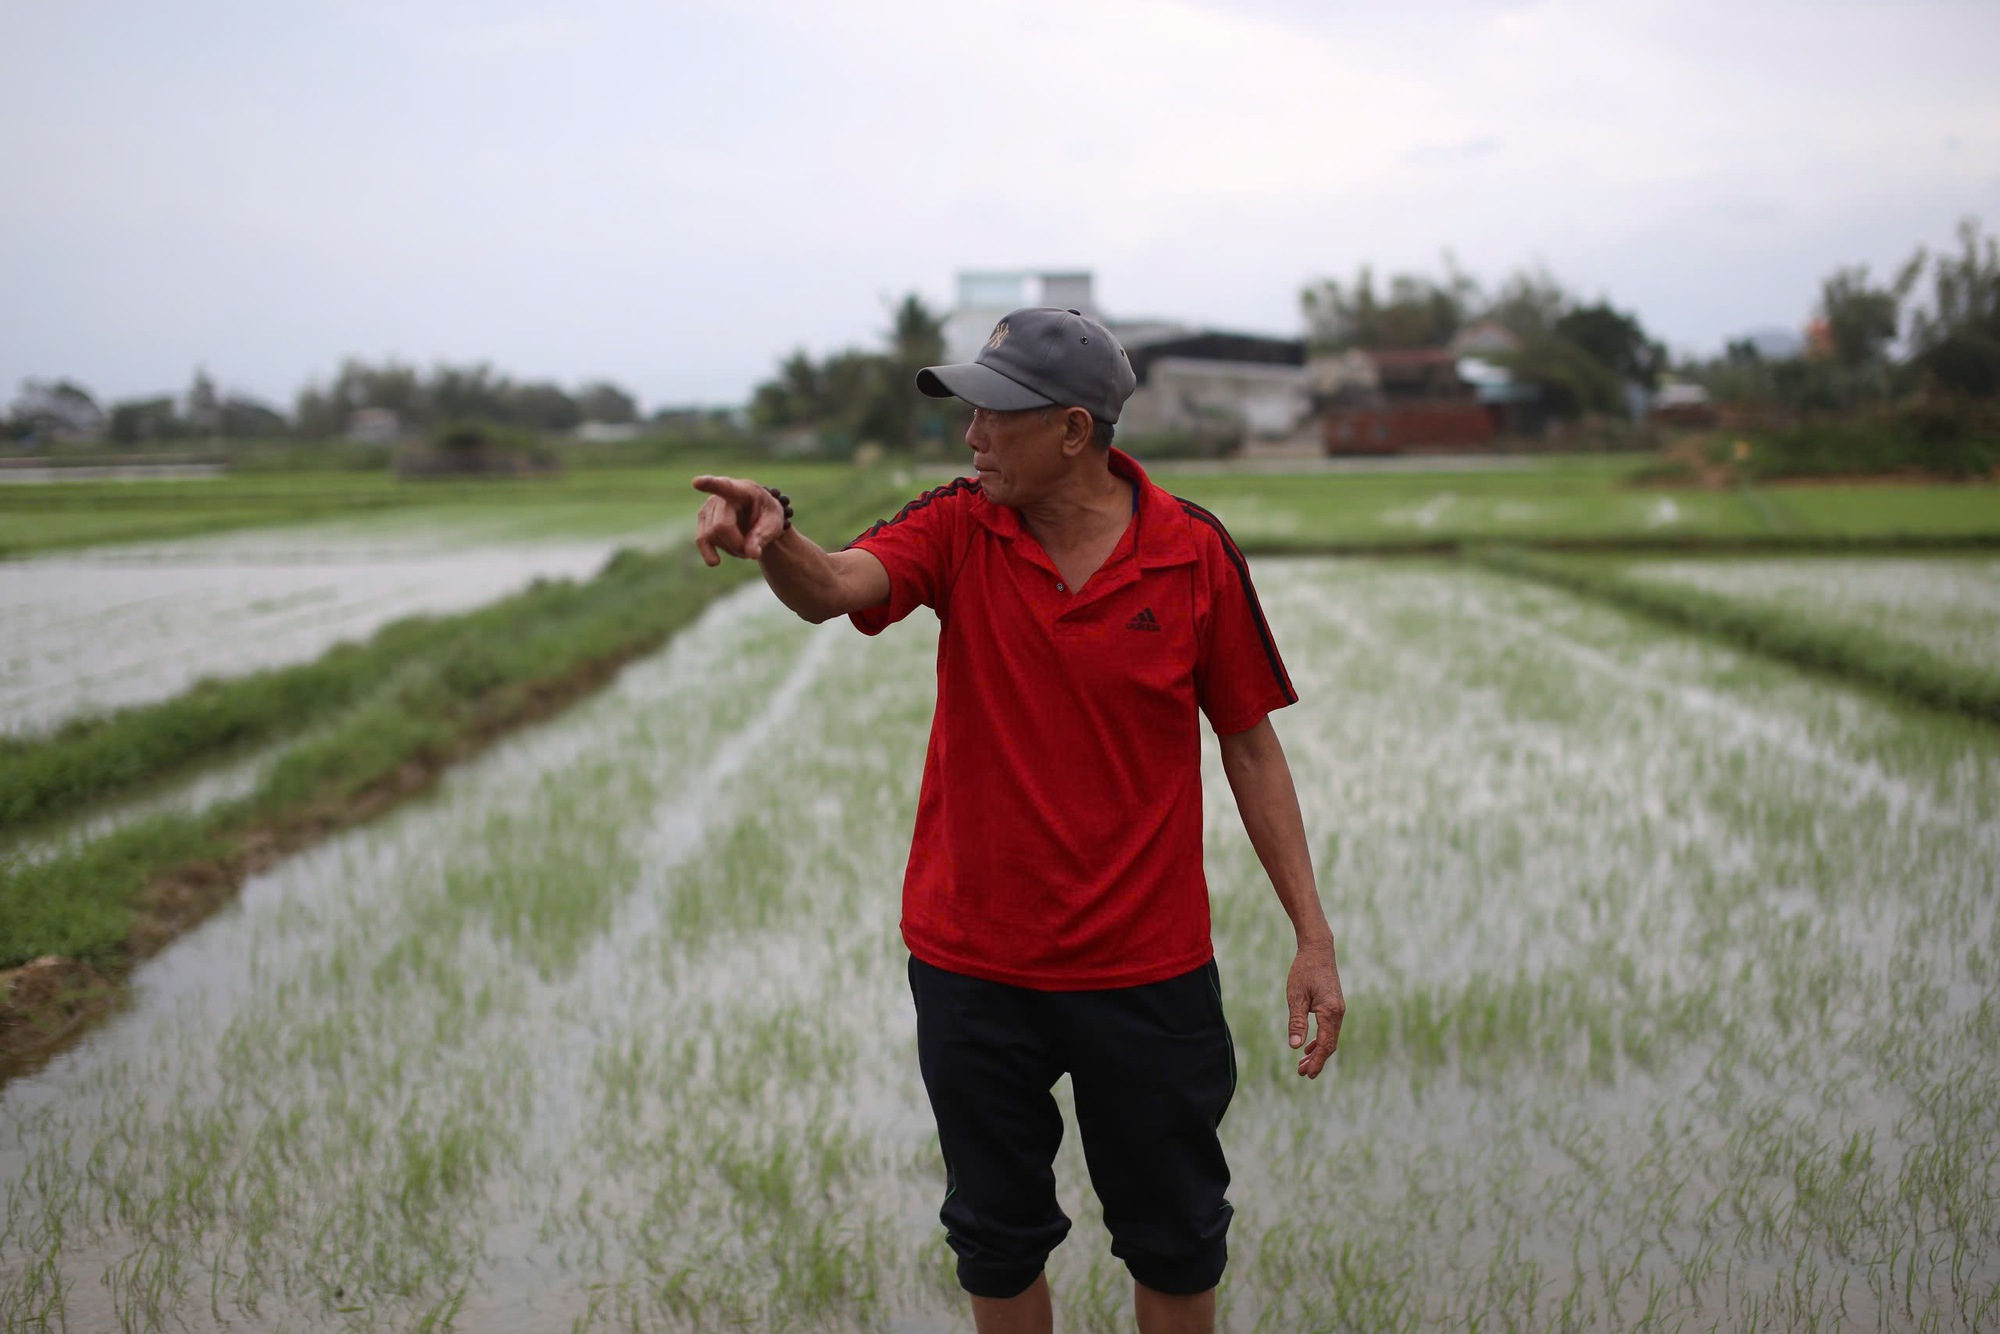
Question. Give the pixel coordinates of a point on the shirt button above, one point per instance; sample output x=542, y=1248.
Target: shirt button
x=1061, y=589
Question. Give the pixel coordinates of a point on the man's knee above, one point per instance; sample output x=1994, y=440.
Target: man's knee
x=1180, y=1274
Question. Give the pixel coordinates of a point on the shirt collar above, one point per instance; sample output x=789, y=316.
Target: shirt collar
x=1165, y=537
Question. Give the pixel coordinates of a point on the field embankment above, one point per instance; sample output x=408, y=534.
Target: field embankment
x=365, y=725
x=379, y=722
x=92, y=759
x=1867, y=651
x=611, y=503
x=1585, y=503
x=1668, y=970
x=1936, y=438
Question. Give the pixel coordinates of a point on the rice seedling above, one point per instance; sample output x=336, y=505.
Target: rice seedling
x=89, y=634
x=1575, y=501
x=1947, y=606
x=1670, y=973
x=1930, y=655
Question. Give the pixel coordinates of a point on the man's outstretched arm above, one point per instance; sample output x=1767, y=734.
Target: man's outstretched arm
x=741, y=518
x=1269, y=805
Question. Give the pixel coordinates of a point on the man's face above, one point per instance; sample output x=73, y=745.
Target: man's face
x=1018, y=456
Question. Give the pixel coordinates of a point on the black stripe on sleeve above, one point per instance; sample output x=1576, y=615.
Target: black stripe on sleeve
x=1200, y=515
x=952, y=487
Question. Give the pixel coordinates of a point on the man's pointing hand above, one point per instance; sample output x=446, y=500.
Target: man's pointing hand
x=739, y=517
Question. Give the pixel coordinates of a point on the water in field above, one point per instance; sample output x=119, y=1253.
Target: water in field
x=95, y=630
x=1949, y=606
x=1670, y=972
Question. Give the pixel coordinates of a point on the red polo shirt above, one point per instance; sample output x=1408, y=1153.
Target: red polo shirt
x=1058, y=839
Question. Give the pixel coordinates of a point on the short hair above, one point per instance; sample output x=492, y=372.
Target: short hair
x=1101, y=431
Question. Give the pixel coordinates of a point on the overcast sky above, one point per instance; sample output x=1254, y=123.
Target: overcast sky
x=674, y=195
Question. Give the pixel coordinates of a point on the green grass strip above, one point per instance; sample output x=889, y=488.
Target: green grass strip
x=91, y=759
x=1663, y=544
x=483, y=674
x=1905, y=670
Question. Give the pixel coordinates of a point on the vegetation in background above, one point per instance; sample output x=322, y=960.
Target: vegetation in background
x=1416, y=310
x=858, y=397
x=473, y=447
x=59, y=416
x=1940, y=437
x=1580, y=357
x=1955, y=342
x=1878, y=342
x=449, y=394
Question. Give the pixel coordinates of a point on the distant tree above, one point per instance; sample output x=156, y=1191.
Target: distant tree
x=771, y=407
x=393, y=386
x=1571, y=380
x=466, y=393
x=804, y=387
x=916, y=335
x=859, y=398
x=137, y=421
x=540, y=406
x=1417, y=311
x=901, y=415
x=793, y=398
x=203, y=412
x=315, y=413
x=55, y=409
x=1956, y=341
x=240, y=417
x=857, y=395
x=1530, y=303
x=1862, y=319
x=321, y=413
x=1580, y=357
x=603, y=401
x=1615, y=340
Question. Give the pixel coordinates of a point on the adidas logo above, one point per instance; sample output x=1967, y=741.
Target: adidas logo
x=1145, y=620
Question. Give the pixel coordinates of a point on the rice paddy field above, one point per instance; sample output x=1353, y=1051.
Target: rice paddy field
x=610, y=504
x=1948, y=607
x=1580, y=499
x=89, y=634
x=86, y=631
x=1671, y=975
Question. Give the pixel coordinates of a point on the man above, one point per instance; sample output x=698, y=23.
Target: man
x=1054, y=904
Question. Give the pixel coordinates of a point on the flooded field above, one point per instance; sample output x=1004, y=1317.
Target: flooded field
x=1418, y=507
x=87, y=631
x=1671, y=978
x=1949, y=606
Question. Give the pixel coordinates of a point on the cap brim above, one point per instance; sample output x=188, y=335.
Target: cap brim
x=981, y=386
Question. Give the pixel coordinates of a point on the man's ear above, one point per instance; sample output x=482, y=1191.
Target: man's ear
x=1076, y=431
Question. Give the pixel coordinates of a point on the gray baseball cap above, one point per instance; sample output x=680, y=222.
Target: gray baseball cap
x=1040, y=356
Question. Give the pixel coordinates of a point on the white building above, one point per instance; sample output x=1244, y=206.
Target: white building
x=1215, y=386
x=984, y=295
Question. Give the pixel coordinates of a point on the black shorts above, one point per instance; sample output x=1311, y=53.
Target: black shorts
x=1153, y=1069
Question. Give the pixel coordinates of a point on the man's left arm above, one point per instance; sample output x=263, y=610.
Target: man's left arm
x=1269, y=805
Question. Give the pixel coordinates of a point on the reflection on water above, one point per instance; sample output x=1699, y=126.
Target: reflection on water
x=86, y=632
x=1947, y=605
x=125, y=472
x=1669, y=975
